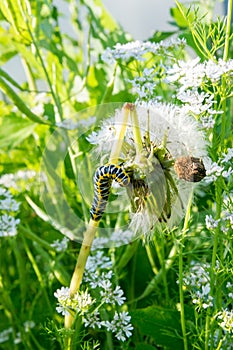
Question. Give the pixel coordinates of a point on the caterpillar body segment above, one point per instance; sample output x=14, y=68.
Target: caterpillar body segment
x=103, y=178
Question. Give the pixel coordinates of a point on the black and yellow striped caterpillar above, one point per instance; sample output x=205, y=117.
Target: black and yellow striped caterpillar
x=103, y=178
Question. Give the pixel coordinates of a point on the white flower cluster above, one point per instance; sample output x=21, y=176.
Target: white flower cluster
x=6, y=334
x=193, y=73
x=14, y=180
x=91, y=306
x=221, y=168
x=221, y=340
x=120, y=325
x=8, y=209
x=192, y=76
x=40, y=100
x=225, y=222
x=210, y=222
x=145, y=84
x=199, y=103
x=81, y=301
x=115, y=239
x=138, y=49
x=225, y=320
x=60, y=246
x=197, y=281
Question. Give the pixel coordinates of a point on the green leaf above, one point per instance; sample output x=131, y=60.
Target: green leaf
x=143, y=346
x=14, y=130
x=163, y=325
x=17, y=13
x=182, y=16
x=159, y=36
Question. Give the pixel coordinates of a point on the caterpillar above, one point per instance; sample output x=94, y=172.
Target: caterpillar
x=103, y=178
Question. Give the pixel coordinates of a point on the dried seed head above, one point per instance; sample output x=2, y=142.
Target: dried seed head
x=190, y=169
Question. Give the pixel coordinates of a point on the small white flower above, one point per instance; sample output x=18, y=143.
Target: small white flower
x=115, y=239
x=8, y=225
x=138, y=49
x=225, y=318
x=106, y=285
x=192, y=73
x=5, y=335
x=62, y=310
x=28, y=325
x=40, y=100
x=210, y=222
x=110, y=296
x=98, y=261
x=83, y=301
x=92, y=320
x=213, y=171
x=68, y=124
x=60, y=246
x=62, y=294
x=118, y=295
x=227, y=156
x=7, y=202
x=227, y=173
x=208, y=122
x=14, y=180
x=120, y=325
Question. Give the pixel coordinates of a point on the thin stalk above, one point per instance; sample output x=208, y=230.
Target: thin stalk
x=117, y=145
x=11, y=80
x=225, y=57
x=167, y=265
x=151, y=259
x=110, y=86
x=89, y=234
x=218, y=188
x=228, y=30
x=198, y=39
x=164, y=272
x=19, y=103
x=54, y=95
x=80, y=265
x=181, y=292
x=38, y=273
x=136, y=132
x=29, y=75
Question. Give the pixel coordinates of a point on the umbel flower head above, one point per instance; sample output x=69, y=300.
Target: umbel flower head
x=158, y=150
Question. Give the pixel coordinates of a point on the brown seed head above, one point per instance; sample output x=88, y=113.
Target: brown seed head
x=190, y=169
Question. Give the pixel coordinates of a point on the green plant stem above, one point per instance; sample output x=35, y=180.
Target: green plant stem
x=89, y=234
x=167, y=265
x=54, y=95
x=151, y=258
x=13, y=82
x=228, y=30
x=198, y=39
x=117, y=145
x=19, y=103
x=38, y=273
x=29, y=75
x=81, y=263
x=225, y=57
x=136, y=133
x=181, y=292
x=218, y=191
